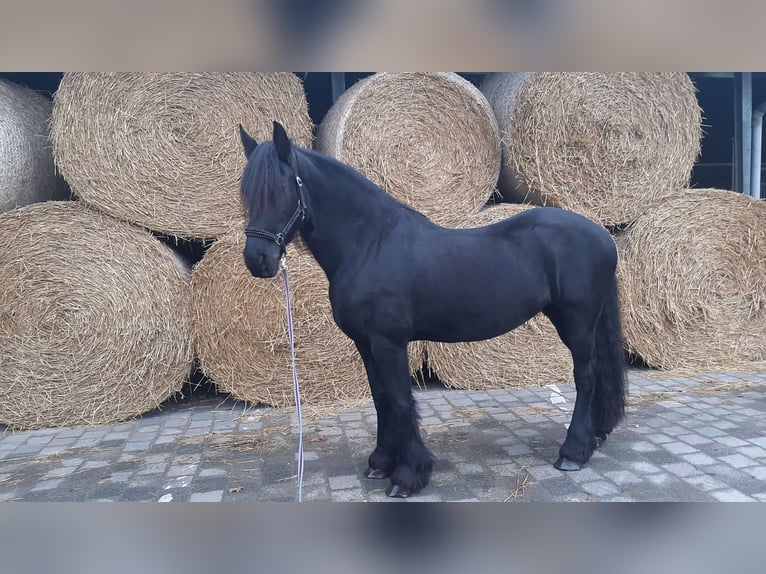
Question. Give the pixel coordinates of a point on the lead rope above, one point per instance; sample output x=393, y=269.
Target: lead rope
x=296, y=387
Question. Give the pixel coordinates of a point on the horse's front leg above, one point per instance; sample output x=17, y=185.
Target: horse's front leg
x=400, y=453
x=380, y=464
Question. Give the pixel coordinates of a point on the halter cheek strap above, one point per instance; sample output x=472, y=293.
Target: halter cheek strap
x=287, y=230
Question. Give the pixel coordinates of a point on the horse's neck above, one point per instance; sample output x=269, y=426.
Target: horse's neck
x=346, y=212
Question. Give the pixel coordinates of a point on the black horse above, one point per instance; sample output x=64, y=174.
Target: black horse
x=396, y=277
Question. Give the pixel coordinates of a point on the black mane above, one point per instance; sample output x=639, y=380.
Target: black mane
x=353, y=179
x=260, y=179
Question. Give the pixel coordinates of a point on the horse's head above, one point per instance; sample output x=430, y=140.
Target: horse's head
x=273, y=198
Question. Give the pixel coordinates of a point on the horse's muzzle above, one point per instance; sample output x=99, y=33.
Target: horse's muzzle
x=260, y=264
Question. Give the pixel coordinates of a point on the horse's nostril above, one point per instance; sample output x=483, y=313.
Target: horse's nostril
x=258, y=263
x=262, y=260
x=252, y=260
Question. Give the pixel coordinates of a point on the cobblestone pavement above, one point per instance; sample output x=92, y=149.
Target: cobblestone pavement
x=701, y=438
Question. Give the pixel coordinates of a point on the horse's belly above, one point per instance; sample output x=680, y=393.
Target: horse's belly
x=472, y=323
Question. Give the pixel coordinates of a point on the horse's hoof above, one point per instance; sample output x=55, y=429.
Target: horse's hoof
x=375, y=473
x=566, y=464
x=599, y=439
x=395, y=491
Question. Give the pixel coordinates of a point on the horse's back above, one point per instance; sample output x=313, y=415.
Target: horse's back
x=565, y=236
x=567, y=223
x=576, y=254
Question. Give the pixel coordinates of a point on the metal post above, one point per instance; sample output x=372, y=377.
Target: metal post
x=756, y=160
x=338, y=80
x=743, y=110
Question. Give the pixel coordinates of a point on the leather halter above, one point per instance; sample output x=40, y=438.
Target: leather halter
x=298, y=216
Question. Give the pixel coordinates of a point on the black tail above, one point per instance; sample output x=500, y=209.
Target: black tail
x=610, y=374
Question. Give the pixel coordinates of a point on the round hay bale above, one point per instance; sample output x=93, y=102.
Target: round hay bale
x=162, y=149
x=27, y=172
x=428, y=139
x=94, y=318
x=530, y=355
x=601, y=144
x=693, y=281
x=240, y=331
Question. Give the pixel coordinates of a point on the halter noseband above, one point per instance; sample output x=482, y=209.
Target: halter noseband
x=299, y=214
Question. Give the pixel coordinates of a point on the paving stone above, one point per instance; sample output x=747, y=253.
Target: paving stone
x=47, y=484
x=753, y=451
x=658, y=438
x=599, y=488
x=730, y=495
x=543, y=472
x=119, y=476
x=681, y=469
x=166, y=440
x=757, y=472
x=61, y=472
x=210, y=496
x=208, y=472
x=723, y=472
x=704, y=482
x=643, y=467
x=623, y=477
x=711, y=432
x=723, y=424
x=139, y=494
x=661, y=479
x=517, y=449
x=694, y=439
x=731, y=441
x=698, y=459
x=28, y=449
x=738, y=460
x=91, y=464
x=679, y=447
x=343, y=482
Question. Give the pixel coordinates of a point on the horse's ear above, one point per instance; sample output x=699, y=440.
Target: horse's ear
x=282, y=143
x=248, y=143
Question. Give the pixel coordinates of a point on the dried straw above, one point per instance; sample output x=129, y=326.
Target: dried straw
x=27, y=173
x=429, y=139
x=94, y=320
x=240, y=331
x=162, y=149
x=601, y=144
x=693, y=281
x=530, y=355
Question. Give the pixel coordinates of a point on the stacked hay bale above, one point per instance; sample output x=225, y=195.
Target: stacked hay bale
x=27, y=172
x=619, y=148
x=693, y=281
x=162, y=149
x=240, y=331
x=94, y=318
x=428, y=139
x=530, y=355
x=601, y=144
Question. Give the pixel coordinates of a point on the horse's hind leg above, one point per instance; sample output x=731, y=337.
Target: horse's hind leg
x=577, y=328
x=400, y=453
